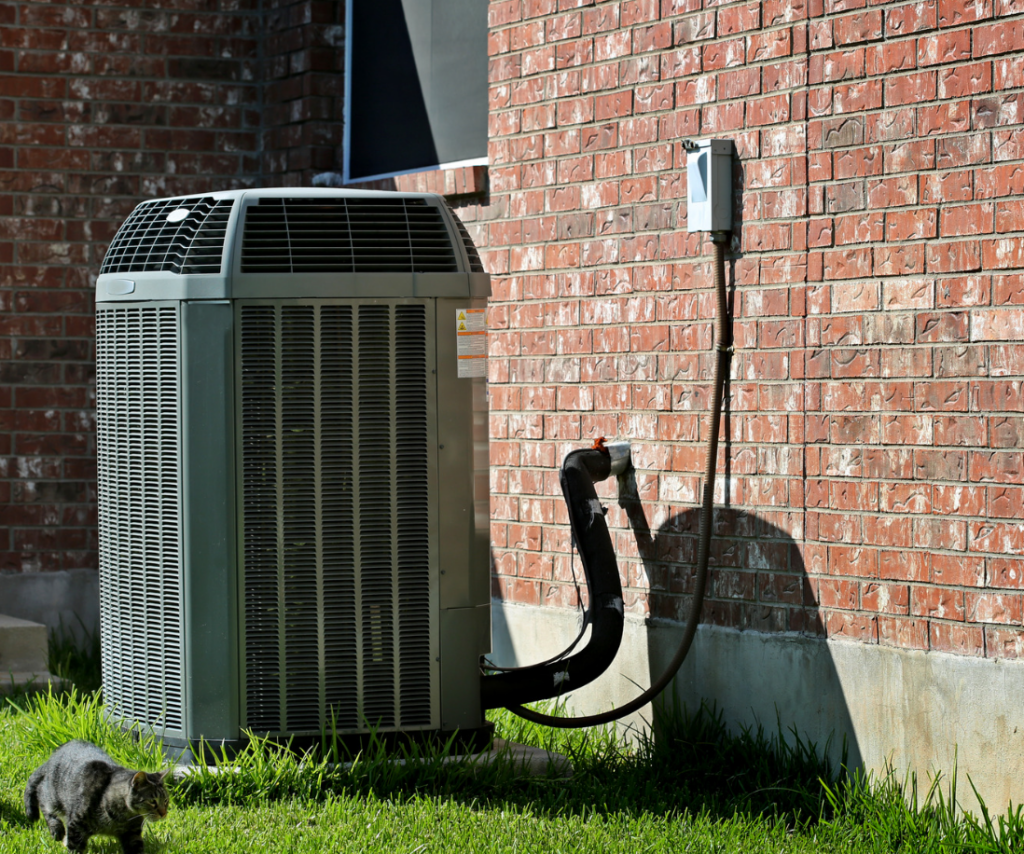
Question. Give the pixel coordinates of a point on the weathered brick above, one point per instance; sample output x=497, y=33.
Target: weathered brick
x=910, y=88
x=944, y=47
x=859, y=27
x=1001, y=37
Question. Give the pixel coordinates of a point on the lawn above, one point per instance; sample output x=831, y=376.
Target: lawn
x=695, y=788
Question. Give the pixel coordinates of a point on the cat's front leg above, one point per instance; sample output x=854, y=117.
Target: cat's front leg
x=77, y=837
x=131, y=840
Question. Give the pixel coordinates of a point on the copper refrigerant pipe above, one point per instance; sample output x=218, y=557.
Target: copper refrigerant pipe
x=723, y=350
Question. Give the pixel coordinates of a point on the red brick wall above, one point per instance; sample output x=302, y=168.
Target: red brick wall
x=102, y=105
x=875, y=428
x=874, y=462
x=303, y=92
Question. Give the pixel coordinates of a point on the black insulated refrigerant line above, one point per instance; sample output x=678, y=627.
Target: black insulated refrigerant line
x=580, y=471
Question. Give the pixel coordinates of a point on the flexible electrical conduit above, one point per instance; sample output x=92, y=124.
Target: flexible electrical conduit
x=723, y=350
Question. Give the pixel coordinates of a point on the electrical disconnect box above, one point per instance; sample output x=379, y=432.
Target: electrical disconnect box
x=709, y=185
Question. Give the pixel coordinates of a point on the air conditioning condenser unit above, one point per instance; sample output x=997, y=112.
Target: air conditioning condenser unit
x=293, y=466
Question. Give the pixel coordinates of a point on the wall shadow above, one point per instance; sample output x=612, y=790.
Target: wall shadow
x=760, y=653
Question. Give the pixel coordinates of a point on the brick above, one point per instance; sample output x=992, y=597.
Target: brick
x=738, y=19
x=911, y=18
x=898, y=261
x=893, y=192
x=964, y=80
x=939, y=603
x=1003, y=643
x=859, y=627
x=904, y=633
x=1002, y=253
x=784, y=75
x=773, y=44
x=726, y=54
x=600, y=19
x=993, y=39
x=842, y=65
x=911, y=225
x=891, y=125
x=857, y=97
x=768, y=110
x=1006, y=72
x=910, y=88
x=885, y=598
x=860, y=27
x=997, y=110
x=962, y=220
x=890, y=56
x=950, y=187
x=859, y=228
x=950, y=257
x=954, y=13
x=693, y=28
x=944, y=47
x=961, y=640
x=993, y=607
x=910, y=156
x=962, y=151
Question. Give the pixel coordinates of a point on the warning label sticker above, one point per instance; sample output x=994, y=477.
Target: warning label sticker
x=471, y=336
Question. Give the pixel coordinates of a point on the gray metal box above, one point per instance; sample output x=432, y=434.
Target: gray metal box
x=709, y=185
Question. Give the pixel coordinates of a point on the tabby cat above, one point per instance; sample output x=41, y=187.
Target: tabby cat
x=81, y=792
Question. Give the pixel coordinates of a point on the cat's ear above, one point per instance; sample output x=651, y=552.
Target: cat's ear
x=161, y=775
x=139, y=779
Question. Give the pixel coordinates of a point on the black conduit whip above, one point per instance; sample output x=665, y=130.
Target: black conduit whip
x=723, y=350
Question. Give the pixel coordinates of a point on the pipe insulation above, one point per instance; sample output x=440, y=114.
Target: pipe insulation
x=580, y=471
x=511, y=698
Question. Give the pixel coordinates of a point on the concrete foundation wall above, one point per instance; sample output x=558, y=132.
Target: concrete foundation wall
x=917, y=710
x=70, y=597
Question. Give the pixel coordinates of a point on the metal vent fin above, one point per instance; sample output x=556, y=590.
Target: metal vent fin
x=137, y=446
x=336, y=572
x=345, y=235
x=148, y=241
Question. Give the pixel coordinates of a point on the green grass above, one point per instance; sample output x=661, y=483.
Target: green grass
x=694, y=788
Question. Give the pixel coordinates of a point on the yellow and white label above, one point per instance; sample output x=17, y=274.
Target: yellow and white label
x=471, y=336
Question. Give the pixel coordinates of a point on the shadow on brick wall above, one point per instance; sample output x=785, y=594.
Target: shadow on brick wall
x=760, y=655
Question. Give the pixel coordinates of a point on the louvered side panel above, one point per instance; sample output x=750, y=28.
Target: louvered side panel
x=261, y=512
x=139, y=499
x=411, y=506
x=338, y=513
x=298, y=525
x=377, y=523
x=336, y=539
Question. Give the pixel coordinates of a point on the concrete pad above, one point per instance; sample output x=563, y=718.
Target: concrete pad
x=24, y=650
x=23, y=645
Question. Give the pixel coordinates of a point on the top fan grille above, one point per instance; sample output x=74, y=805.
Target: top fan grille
x=182, y=235
x=346, y=235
